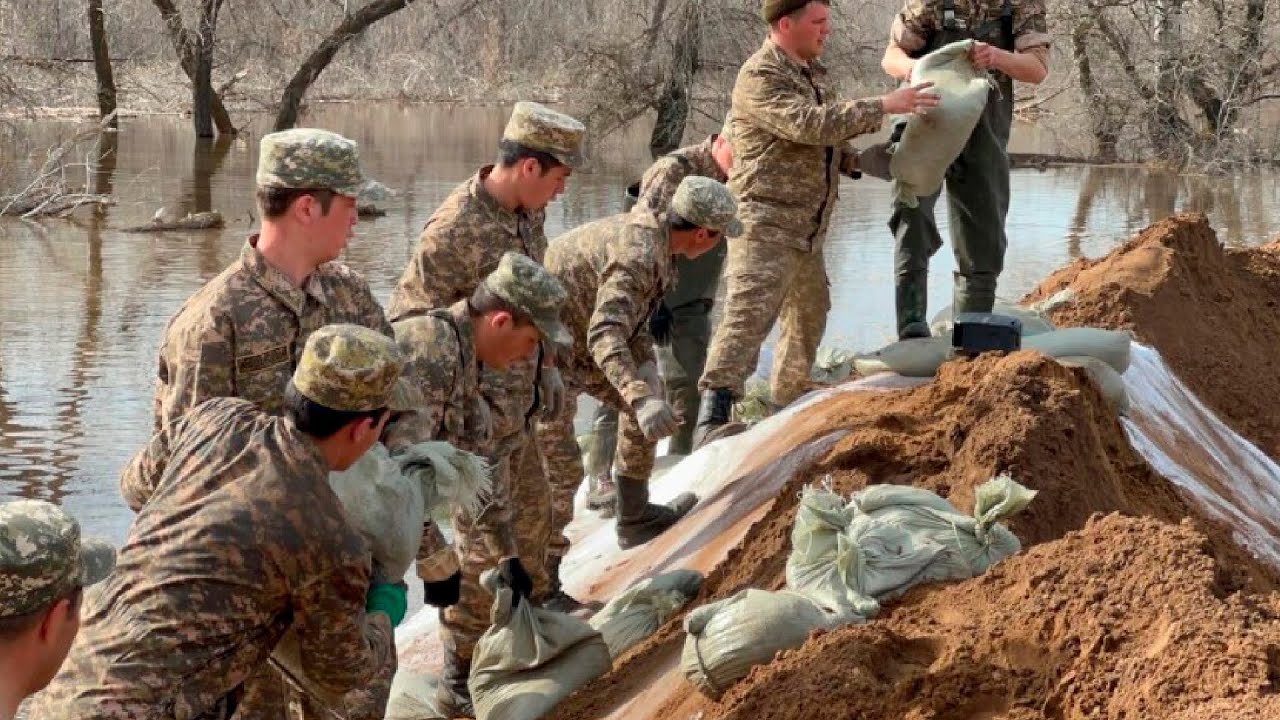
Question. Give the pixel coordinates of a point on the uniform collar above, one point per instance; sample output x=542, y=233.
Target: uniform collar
x=277, y=284
x=509, y=220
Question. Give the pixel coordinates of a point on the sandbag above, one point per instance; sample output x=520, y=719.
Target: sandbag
x=1033, y=323
x=831, y=365
x=917, y=357
x=1109, y=381
x=413, y=697
x=725, y=639
x=530, y=659
x=1109, y=346
x=646, y=606
x=931, y=142
x=966, y=545
x=823, y=560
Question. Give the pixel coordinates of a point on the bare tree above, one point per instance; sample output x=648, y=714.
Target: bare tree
x=195, y=55
x=102, y=63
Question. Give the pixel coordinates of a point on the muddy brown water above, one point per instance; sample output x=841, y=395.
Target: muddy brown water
x=82, y=305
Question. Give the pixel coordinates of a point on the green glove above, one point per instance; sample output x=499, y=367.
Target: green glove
x=388, y=599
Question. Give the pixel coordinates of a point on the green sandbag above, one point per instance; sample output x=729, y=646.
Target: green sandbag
x=931, y=142
x=646, y=606
x=1033, y=323
x=822, y=558
x=1109, y=381
x=727, y=638
x=918, y=357
x=530, y=659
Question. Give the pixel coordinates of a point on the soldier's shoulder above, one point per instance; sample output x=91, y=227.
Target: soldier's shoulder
x=231, y=288
x=425, y=337
x=337, y=274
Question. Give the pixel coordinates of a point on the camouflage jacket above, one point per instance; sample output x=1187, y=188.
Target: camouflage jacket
x=242, y=333
x=240, y=540
x=439, y=348
x=697, y=279
x=790, y=142
x=460, y=245
x=616, y=271
x=917, y=27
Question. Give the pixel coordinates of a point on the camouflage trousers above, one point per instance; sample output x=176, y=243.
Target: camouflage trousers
x=764, y=283
x=565, y=469
x=364, y=703
x=518, y=478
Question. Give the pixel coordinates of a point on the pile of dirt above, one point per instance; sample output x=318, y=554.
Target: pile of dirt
x=1045, y=424
x=1210, y=311
x=1123, y=619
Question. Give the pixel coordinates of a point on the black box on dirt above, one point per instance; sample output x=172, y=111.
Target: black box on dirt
x=975, y=333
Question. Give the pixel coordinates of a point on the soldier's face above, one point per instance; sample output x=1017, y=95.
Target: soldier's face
x=53, y=637
x=539, y=189
x=809, y=29
x=506, y=341
x=333, y=230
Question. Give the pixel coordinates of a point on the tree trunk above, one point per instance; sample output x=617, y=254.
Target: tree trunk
x=1165, y=121
x=187, y=45
x=1104, y=133
x=202, y=94
x=102, y=63
x=673, y=104
x=291, y=101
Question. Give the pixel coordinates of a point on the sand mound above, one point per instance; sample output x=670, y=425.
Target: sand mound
x=1045, y=424
x=1210, y=311
x=1123, y=619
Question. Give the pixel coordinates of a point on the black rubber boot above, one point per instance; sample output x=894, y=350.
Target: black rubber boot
x=714, y=417
x=639, y=520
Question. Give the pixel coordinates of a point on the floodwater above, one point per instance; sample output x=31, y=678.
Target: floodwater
x=82, y=305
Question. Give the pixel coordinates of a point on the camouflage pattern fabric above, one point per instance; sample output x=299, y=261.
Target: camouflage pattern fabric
x=241, y=335
x=707, y=204
x=790, y=141
x=536, y=293
x=915, y=26
x=462, y=243
x=43, y=558
x=538, y=127
x=313, y=158
x=354, y=369
x=241, y=539
x=768, y=282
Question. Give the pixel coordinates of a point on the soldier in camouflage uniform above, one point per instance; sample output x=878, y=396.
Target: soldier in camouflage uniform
x=44, y=568
x=515, y=308
x=239, y=539
x=1013, y=43
x=791, y=144
x=617, y=271
x=499, y=209
x=681, y=325
x=241, y=334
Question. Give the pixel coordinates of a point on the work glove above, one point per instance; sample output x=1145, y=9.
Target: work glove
x=551, y=390
x=660, y=324
x=390, y=599
x=443, y=593
x=515, y=577
x=657, y=419
x=874, y=161
x=648, y=372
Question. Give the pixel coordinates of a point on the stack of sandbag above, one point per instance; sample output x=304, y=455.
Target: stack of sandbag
x=530, y=659
x=646, y=606
x=931, y=142
x=1034, y=322
x=725, y=639
x=388, y=498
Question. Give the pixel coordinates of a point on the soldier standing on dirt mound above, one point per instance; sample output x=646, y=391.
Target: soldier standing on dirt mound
x=1013, y=43
x=499, y=209
x=617, y=271
x=791, y=144
x=681, y=326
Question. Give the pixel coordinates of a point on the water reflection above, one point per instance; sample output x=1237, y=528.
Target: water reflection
x=83, y=305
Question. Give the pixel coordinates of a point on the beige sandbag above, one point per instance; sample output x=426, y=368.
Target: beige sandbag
x=918, y=357
x=413, y=697
x=530, y=659
x=727, y=638
x=1033, y=323
x=931, y=142
x=646, y=606
x=1109, y=346
x=1109, y=381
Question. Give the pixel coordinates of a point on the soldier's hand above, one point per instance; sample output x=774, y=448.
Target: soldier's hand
x=551, y=390
x=656, y=418
x=916, y=99
x=984, y=56
x=648, y=372
x=443, y=593
x=389, y=599
x=516, y=578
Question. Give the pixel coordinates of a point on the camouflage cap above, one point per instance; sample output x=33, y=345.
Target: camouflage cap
x=534, y=291
x=315, y=159
x=771, y=10
x=538, y=127
x=42, y=557
x=354, y=369
x=707, y=204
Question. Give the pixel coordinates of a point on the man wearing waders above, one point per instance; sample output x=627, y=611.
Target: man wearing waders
x=1013, y=43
